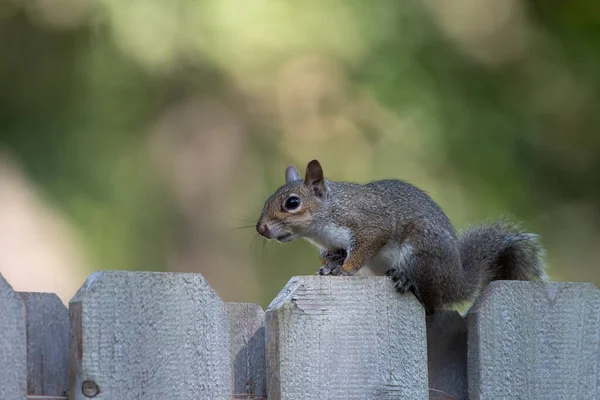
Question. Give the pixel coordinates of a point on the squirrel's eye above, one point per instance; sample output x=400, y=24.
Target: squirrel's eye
x=292, y=203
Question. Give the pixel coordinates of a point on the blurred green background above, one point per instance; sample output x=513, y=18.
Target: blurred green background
x=140, y=134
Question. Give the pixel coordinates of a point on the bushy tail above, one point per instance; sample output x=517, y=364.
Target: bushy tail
x=501, y=251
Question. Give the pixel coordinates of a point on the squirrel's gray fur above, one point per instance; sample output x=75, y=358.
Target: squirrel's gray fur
x=397, y=228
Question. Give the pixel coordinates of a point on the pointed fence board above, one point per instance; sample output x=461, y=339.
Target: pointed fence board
x=149, y=335
x=13, y=344
x=535, y=340
x=345, y=338
x=47, y=344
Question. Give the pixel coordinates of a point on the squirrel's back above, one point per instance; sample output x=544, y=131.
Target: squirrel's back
x=390, y=197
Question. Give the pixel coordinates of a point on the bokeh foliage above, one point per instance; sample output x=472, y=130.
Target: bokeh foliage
x=156, y=127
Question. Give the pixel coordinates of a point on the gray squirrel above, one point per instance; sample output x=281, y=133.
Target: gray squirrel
x=390, y=227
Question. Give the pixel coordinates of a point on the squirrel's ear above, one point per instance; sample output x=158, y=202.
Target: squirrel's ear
x=291, y=174
x=314, y=178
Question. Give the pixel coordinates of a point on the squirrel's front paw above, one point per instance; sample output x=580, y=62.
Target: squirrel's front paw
x=332, y=270
x=338, y=271
x=332, y=262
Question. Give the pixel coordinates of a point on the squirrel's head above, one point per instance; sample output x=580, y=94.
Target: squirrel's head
x=288, y=213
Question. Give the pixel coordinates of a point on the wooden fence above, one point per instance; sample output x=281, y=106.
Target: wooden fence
x=148, y=335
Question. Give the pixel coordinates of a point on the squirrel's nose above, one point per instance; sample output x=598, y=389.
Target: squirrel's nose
x=263, y=229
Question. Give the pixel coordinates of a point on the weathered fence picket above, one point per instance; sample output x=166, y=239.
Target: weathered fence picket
x=150, y=335
x=47, y=344
x=447, y=355
x=534, y=340
x=247, y=350
x=345, y=338
x=13, y=349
